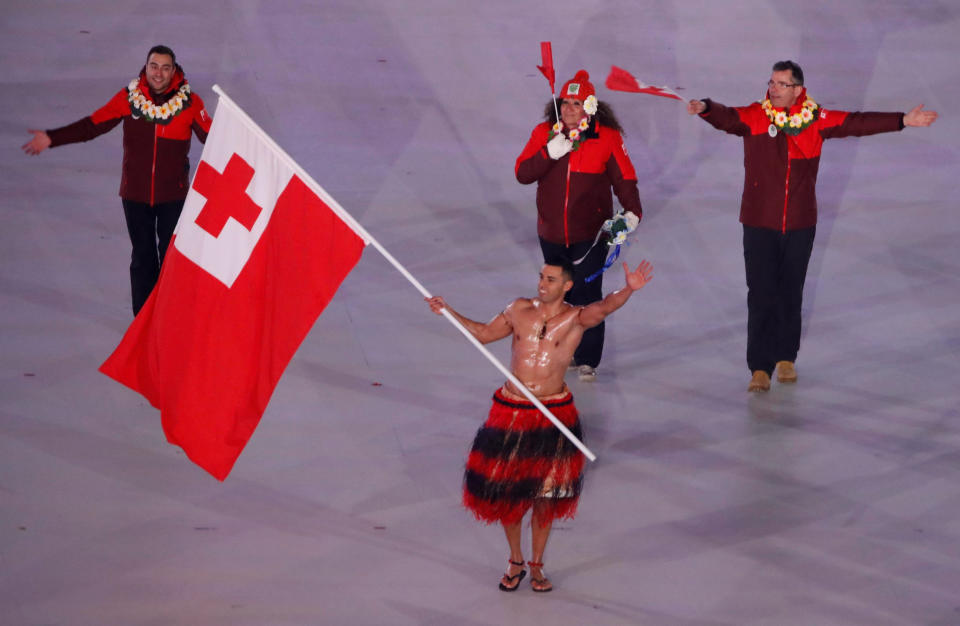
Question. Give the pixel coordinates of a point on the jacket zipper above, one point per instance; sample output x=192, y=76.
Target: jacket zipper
x=153, y=165
x=786, y=197
x=566, y=203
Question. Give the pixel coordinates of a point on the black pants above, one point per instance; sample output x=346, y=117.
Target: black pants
x=591, y=345
x=776, y=265
x=150, y=228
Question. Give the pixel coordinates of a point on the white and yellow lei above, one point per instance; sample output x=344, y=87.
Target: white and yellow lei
x=792, y=124
x=142, y=106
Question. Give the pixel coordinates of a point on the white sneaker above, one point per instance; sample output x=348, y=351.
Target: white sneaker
x=587, y=373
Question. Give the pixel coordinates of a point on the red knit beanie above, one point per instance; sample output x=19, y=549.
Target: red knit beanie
x=579, y=87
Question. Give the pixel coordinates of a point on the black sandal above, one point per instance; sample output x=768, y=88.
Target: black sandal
x=539, y=581
x=518, y=577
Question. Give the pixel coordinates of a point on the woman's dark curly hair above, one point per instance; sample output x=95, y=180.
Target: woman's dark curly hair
x=604, y=116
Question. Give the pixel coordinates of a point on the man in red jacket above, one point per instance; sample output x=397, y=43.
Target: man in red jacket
x=159, y=112
x=782, y=138
x=575, y=162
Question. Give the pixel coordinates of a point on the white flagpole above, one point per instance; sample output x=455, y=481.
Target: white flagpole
x=367, y=237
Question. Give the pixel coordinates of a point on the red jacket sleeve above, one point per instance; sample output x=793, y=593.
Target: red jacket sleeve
x=836, y=124
x=201, y=119
x=623, y=178
x=534, y=162
x=726, y=118
x=101, y=121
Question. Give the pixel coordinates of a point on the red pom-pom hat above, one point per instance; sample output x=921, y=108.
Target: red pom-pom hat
x=579, y=87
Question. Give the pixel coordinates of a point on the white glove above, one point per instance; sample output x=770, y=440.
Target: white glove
x=559, y=146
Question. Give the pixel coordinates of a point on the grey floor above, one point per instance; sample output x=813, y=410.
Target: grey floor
x=835, y=501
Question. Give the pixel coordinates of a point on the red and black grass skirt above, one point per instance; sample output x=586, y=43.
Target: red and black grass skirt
x=519, y=457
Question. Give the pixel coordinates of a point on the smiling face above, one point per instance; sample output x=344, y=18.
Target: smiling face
x=571, y=112
x=783, y=89
x=553, y=284
x=160, y=70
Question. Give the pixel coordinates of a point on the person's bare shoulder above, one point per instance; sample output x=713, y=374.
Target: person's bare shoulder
x=572, y=311
x=520, y=305
x=521, y=311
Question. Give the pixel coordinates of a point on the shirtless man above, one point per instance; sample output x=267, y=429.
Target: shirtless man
x=519, y=460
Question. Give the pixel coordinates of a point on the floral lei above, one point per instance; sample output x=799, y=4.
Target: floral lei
x=616, y=230
x=620, y=226
x=576, y=134
x=792, y=124
x=141, y=106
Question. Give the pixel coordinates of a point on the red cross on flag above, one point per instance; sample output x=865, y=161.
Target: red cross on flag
x=259, y=251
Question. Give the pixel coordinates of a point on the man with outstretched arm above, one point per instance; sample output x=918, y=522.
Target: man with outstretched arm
x=160, y=112
x=519, y=460
x=782, y=139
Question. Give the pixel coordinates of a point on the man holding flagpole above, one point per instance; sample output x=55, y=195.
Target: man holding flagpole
x=519, y=460
x=259, y=251
x=576, y=160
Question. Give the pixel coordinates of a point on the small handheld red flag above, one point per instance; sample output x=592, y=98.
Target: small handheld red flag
x=546, y=54
x=622, y=80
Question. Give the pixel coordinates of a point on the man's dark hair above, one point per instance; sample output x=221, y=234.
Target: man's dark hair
x=163, y=50
x=566, y=268
x=781, y=66
x=605, y=116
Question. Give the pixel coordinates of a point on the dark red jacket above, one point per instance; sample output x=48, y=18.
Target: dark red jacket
x=573, y=192
x=155, y=164
x=780, y=173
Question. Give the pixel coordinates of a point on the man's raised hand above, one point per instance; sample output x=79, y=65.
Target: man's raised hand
x=639, y=277
x=918, y=117
x=39, y=143
x=696, y=107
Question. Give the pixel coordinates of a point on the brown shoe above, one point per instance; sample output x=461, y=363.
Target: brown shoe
x=786, y=372
x=759, y=382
